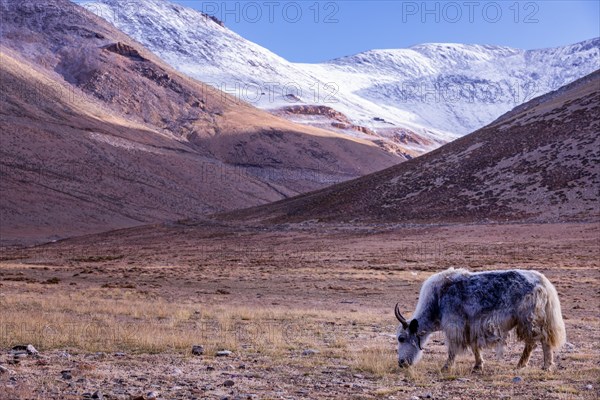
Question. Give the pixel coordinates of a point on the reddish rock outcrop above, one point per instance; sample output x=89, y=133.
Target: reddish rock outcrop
x=125, y=50
x=316, y=110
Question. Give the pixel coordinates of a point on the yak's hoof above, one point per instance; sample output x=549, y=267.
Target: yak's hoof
x=477, y=369
x=549, y=367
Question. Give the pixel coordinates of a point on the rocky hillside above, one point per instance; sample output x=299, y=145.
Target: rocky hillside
x=539, y=162
x=98, y=133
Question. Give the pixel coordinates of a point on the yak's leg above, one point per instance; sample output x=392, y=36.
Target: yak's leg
x=450, y=361
x=548, y=356
x=454, y=328
x=478, y=359
x=529, y=346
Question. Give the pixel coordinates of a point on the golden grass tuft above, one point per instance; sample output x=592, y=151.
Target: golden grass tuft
x=377, y=360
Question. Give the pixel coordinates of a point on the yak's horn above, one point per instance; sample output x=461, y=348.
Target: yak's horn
x=399, y=316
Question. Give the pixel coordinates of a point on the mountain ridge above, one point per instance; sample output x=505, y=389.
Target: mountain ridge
x=390, y=100
x=539, y=162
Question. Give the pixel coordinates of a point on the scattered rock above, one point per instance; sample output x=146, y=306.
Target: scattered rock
x=569, y=347
x=224, y=353
x=428, y=396
x=197, y=350
x=228, y=383
x=66, y=375
x=292, y=97
x=589, y=387
x=216, y=20
x=152, y=395
x=210, y=368
x=310, y=352
x=120, y=354
x=517, y=379
x=97, y=395
x=4, y=370
x=414, y=398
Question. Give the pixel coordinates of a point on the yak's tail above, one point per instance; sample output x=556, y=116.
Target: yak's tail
x=554, y=327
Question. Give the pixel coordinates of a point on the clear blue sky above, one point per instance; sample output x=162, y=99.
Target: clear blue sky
x=313, y=31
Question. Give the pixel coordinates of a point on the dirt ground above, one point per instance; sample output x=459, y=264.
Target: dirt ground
x=306, y=312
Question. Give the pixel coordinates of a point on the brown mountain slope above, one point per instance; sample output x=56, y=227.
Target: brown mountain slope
x=540, y=162
x=97, y=133
x=70, y=168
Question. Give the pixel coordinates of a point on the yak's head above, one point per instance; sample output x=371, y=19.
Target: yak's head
x=410, y=339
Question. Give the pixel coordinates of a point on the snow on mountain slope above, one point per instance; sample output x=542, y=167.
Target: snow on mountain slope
x=411, y=100
x=460, y=87
x=200, y=47
x=540, y=162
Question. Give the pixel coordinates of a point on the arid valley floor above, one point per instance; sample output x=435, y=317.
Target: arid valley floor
x=306, y=311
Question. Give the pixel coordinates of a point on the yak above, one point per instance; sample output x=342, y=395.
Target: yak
x=478, y=310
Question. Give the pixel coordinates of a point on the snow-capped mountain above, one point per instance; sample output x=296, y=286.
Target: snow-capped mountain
x=415, y=99
x=460, y=87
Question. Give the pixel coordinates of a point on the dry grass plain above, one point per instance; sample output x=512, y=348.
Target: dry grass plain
x=121, y=312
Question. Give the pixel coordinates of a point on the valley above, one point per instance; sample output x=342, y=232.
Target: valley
x=307, y=312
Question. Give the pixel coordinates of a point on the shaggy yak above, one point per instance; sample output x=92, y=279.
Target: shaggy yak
x=477, y=310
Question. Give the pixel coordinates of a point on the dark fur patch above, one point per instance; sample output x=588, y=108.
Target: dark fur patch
x=413, y=327
x=478, y=294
